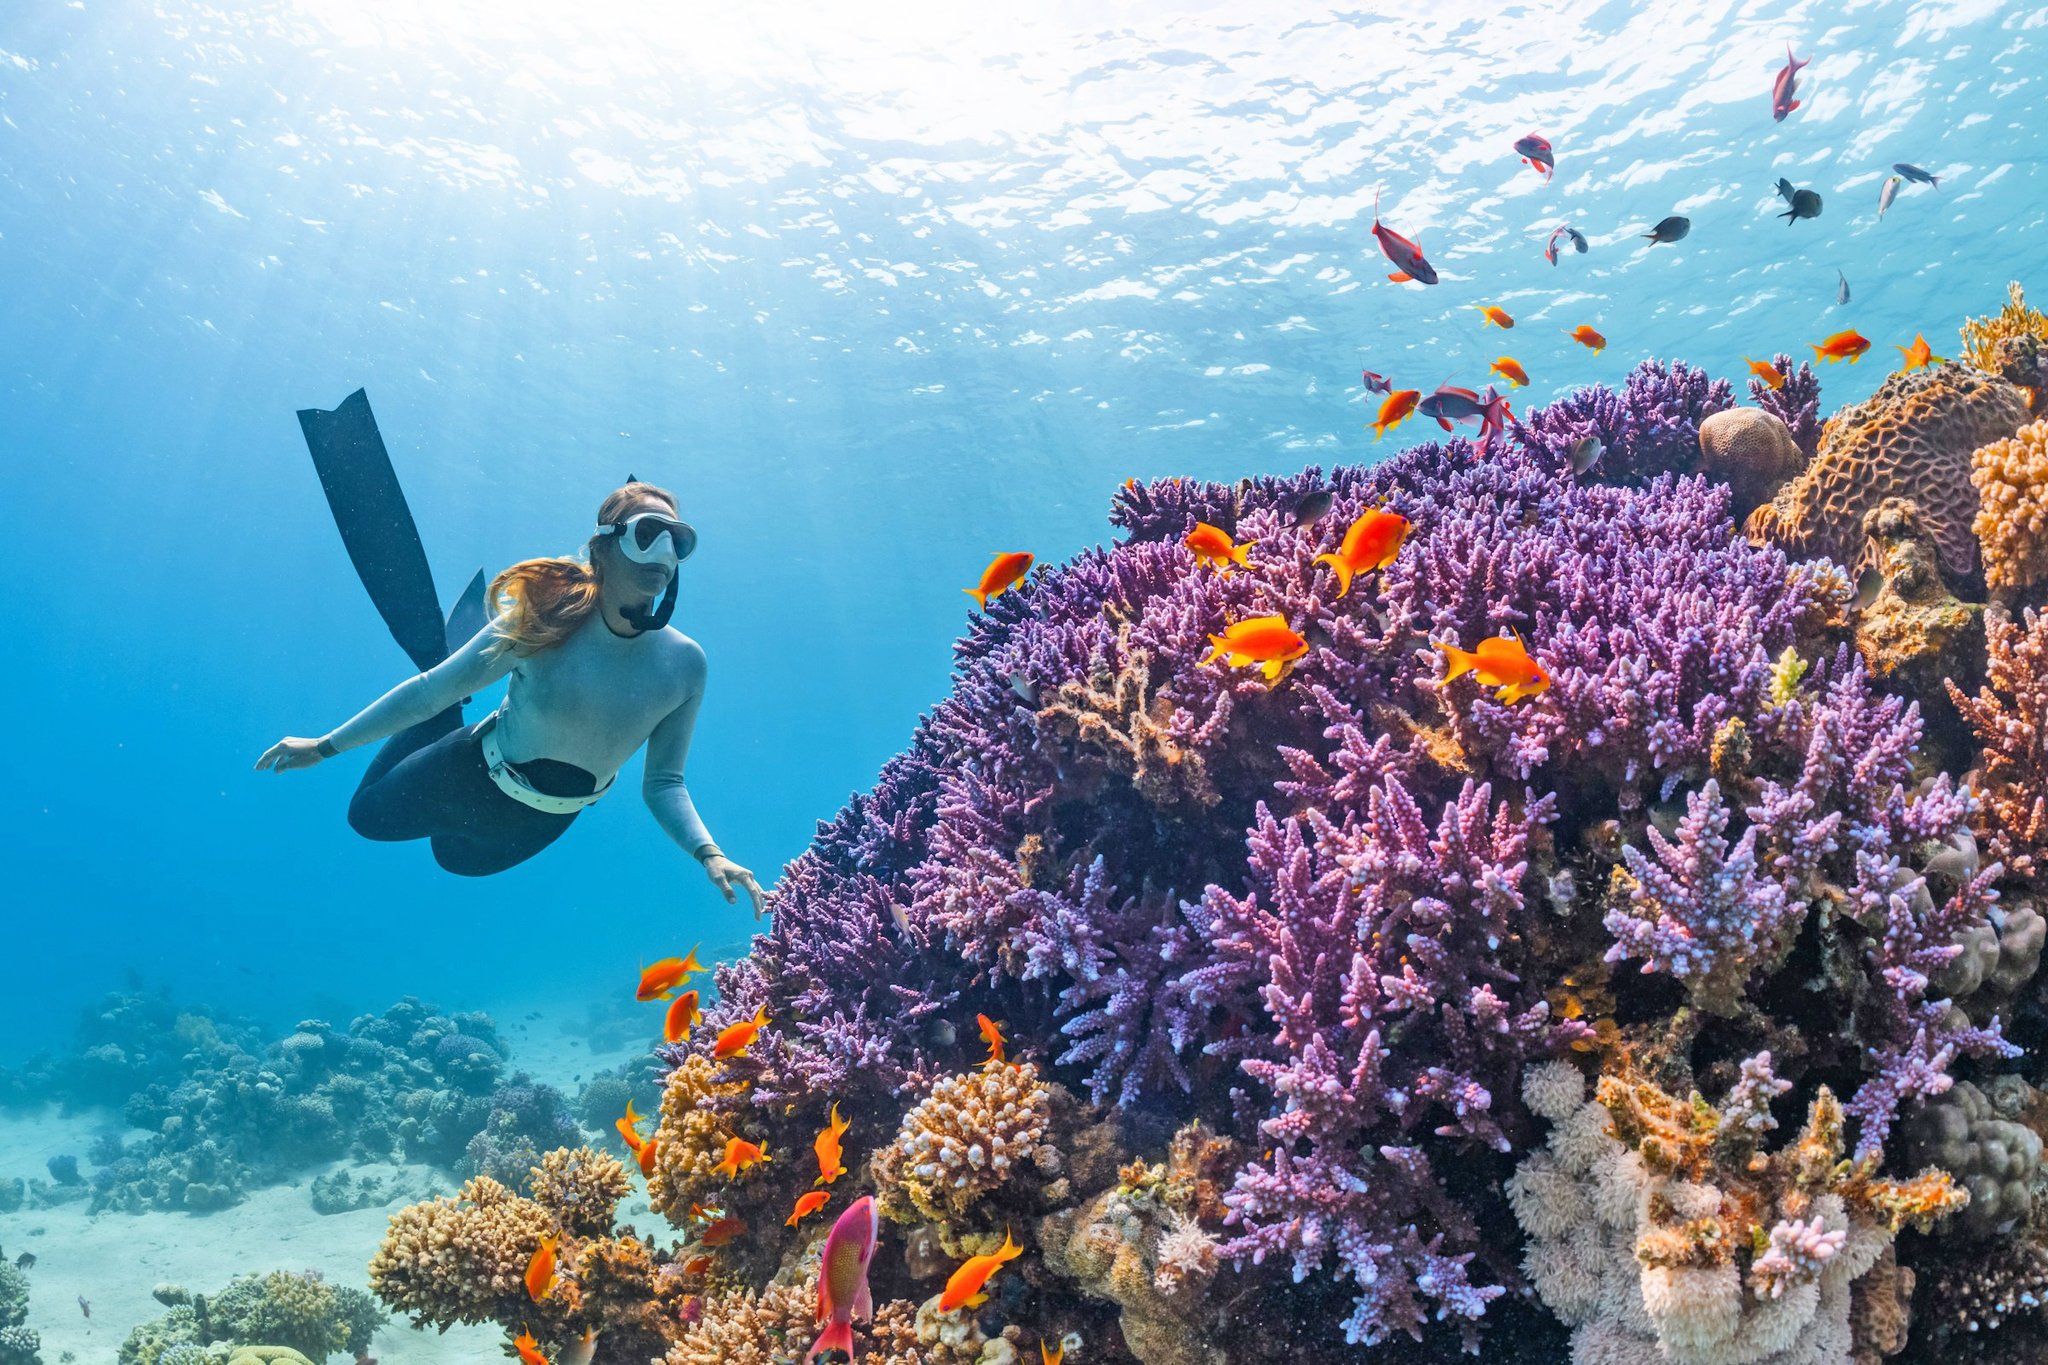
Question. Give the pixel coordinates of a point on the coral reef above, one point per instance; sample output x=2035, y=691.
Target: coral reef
x=19, y=1343
x=2011, y=477
x=1365, y=932
x=1911, y=439
x=290, y=1316
x=2013, y=345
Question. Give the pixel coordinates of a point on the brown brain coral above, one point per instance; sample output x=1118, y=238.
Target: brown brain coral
x=963, y=1141
x=1912, y=439
x=2012, y=519
x=1750, y=450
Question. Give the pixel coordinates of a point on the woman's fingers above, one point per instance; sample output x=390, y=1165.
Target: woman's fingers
x=269, y=758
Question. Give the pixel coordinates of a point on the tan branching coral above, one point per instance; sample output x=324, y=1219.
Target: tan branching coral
x=581, y=1188
x=774, y=1326
x=973, y=1133
x=2009, y=715
x=461, y=1259
x=1911, y=439
x=691, y=1137
x=1118, y=715
x=2011, y=344
x=2012, y=519
x=1663, y=1232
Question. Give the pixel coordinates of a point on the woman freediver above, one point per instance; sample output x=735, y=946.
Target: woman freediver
x=596, y=671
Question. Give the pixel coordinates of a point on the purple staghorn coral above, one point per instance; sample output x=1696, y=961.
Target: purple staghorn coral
x=1796, y=403
x=1334, y=894
x=1650, y=426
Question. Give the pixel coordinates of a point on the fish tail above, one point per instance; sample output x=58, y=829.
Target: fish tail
x=1217, y=646
x=1819, y=353
x=1238, y=555
x=837, y=1336
x=979, y=595
x=1341, y=569
x=1459, y=661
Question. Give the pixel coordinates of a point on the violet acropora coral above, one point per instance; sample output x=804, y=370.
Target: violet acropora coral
x=1350, y=896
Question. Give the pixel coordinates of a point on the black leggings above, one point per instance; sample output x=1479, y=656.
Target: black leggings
x=431, y=782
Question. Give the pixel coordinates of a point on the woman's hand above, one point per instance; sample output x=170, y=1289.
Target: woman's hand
x=290, y=752
x=726, y=874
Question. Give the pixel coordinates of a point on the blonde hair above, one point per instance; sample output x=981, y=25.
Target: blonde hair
x=542, y=602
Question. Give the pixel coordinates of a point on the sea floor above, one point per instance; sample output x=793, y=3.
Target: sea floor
x=113, y=1260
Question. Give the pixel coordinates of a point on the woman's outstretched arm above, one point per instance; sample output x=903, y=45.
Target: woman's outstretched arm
x=469, y=669
x=668, y=750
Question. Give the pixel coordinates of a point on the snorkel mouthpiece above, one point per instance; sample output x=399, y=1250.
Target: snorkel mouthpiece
x=644, y=619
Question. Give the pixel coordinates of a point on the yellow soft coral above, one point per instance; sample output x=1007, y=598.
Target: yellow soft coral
x=2012, y=516
x=1981, y=336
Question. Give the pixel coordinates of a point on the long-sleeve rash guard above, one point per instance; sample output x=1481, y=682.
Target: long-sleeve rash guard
x=591, y=701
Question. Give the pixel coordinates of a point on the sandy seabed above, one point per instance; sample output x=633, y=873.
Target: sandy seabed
x=115, y=1259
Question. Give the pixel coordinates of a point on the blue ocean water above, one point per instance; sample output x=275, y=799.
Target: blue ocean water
x=880, y=290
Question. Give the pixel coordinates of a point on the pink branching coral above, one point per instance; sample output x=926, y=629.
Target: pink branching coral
x=2010, y=717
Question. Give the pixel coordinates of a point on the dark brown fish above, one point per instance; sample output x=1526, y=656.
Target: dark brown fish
x=85, y=1306
x=1868, y=586
x=1311, y=507
x=25, y=1260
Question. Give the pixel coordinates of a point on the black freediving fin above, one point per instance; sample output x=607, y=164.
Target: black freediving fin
x=377, y=527
x=467, y=616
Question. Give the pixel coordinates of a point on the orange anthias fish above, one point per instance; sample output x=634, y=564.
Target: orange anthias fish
x=1510, y=369
x=657, y=981
x=722, y=1230
x=740, y=1155
x=629, y=1127
x=697, y=1265
x=540, y=1269
x=1587, y=337
x=1850, y=345
x=965, y=1286
x=1005, y=571
x=683, y=1016
x=1371, y=543
x=807, y=1204
x=1499, y=661
x=992, y=1034
x=1053, y=1355
x=1766, y=371
x=1213, y=547
x=734, y=1041
x=1918, y=354
x=645, y=1154
x=1497, y=316
x=528, y=1348
x=1262, y=640
x=1395, y=409
x=826, y=1145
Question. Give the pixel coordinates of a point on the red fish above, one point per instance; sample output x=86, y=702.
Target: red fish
x=831, y=1163
x=645, y=1155
x=1495, y=315
x=1498, y=661
x=1787, y=85
x=1849, y=345
x=683, y=1015
x=1493, y=414
x=540, y=1270
x=1005, y=571
x=992, y=1034
x=722, y=1230
x=629, y=1127
x=965, y=1285
x=1212, y=547
x=740, y=1155
x=1587, y=337
x=1918, y=354
x=807, y=1204
x=1406, y=255
x=528, y=1348
x=1395, y=410
x=1766, y=371
x=843, y=1295
x=734, y=1041
x=1262, y=640
x=1510, y=369
x=1370, y=543
x=1534, y=148
x=664, y=976
x=1377, y=383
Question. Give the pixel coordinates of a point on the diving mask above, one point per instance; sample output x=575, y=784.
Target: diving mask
x=651, y=538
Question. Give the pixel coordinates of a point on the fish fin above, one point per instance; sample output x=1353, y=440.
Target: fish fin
x=837, y=1336
x=863, y=1302
x=1442, y=423
x=1401, y=277
x=1341, y=569
x=1273, y=668
x=977, y=1301
x=1460, y=661
x=978, y=595
x=1790, y=107
x=1239, y=554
